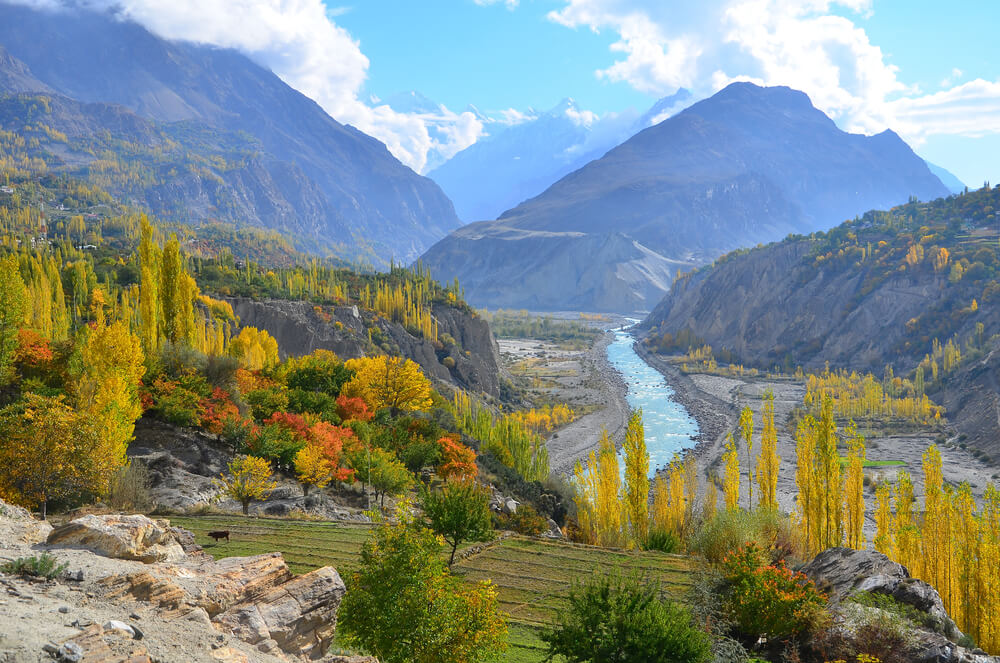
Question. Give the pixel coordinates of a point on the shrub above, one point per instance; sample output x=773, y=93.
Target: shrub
x=525, y=521
x=175, y=403
x=663, y=540
x=766, y=599
x=130, y=489
x=616, y=618
x=734, y=528
x=43, y=566
x=265, y=402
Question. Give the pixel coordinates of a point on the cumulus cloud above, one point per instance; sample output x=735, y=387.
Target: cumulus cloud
x=805, y=44
x=300, y=41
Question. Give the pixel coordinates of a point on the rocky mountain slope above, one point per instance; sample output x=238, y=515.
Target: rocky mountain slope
x=879, y=290
x=747, y=165
x=297, y=168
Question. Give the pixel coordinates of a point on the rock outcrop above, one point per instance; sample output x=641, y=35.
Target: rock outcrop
x=843, y=573
x=123, y=537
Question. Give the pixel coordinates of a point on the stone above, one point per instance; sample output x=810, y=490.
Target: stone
x=509, y=506
x=121, y=627
x=277, y=509
x=229, y=655
x=299, y=615
x=122, y=537
x=64, y=609
x=185, y=538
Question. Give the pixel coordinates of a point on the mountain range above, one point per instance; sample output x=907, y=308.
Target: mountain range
x=517, y=162
x=296, y=168
x=747, y=165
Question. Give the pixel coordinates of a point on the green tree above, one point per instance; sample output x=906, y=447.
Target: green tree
x=403, y=606
x=460, y=511
x=618, y=619
x=13, y=306
x=381, y=470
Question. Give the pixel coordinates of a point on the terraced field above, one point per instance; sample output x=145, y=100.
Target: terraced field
x=533, y=576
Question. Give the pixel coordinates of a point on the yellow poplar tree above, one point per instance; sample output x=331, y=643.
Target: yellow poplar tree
x=731, y=481
x=768, y=462
x=830, y=477
x=805, y=478
x=637, y=478
x=854, y=497
x=746, y=432
x=884, y=535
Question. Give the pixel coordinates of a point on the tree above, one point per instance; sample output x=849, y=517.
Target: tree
x=616, y=619
x=13, y=305
x=381, y=470
x=854, y=496
x=636, y=478
x=44, y=454
x=884, y=536
x=768, y=461
x=731, y=480
x=746, y=432
x=388, y=382
x=312, y=467
x=460, y=511
x=598, y=496
x=403, y=606
x=249, y=479
x=457, y=460
x=107, y=391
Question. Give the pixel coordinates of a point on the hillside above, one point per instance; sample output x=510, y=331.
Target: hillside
x=915, y=287
x=747, y=165
x=213, y=136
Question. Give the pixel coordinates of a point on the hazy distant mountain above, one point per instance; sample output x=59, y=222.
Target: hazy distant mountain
x=518, y=162
x=747, y=165
x=331, y=184
x=953, y=184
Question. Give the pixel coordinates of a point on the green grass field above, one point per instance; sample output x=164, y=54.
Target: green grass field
x=533, y=576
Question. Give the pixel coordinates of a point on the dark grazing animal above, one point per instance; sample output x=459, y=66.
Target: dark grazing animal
x=220, y=534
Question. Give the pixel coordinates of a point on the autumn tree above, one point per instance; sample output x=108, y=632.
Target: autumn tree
x=808, y=499
x=149, y=288
x=457, y=460
x=746, y=432
x=389, y=382
x=44, y=454
x=884, y=534
x=636, y=478
x=254, y=348
x=13, y=305
x=403, y=606
x=249, y=479
x=731, y=480
x=312, y=467
x=381, y=470
x=458, y=512
x=107, y=390
x=768, y=461
x=829, y=475
x=599, y=506
x=854, y=496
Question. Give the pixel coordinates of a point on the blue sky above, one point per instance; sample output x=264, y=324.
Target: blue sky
x=458, y=52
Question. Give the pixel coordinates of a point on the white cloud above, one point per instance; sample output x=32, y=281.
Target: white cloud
x=512, y=116
x=511, y=4
x=951, y=78
x=300, y=41
x=804, y=44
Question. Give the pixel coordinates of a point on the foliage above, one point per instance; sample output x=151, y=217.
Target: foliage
x=13, y=305
x=662, y=540
x=636, y=479
x=381, y=470
x=505, y=436
x=130, y=489
x=458, y=512
x=249, y=479
x=599, y=511
x=312, y=467
x=41, y=566
x=521, y=324
x=403, y=606
x=457, y=460
x=355, y=409
x=768, y=462
x=732, y=529
x=616, y=618
x=388, y=382
x=767, y=599
x=525, y=521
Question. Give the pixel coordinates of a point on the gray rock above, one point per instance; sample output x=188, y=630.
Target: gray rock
x=115, y=625
x=277, y=509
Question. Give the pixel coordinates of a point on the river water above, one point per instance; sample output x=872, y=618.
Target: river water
x=669, y=427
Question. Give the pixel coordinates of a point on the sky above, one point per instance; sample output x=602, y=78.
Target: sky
x=928, y=70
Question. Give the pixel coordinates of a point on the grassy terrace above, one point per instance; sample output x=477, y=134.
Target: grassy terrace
x=532, y=576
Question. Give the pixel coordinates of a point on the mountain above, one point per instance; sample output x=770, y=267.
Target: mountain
x=304, y=172
x=748, y=165
x=954, y=184
x=518, y=162
x=890, y=288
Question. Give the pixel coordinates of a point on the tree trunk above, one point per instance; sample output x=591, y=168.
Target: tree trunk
x=246, y=507
x=305, y=490
x=45, y=507
x=454, y=547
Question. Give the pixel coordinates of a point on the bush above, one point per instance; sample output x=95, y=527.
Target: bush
x=43, y=566
x=663, y=540
x=615, y=618
x=265, y=402
x=177, y=404
x=735, y=528
x=130, y=489
x=767, y=600
x=526, y=521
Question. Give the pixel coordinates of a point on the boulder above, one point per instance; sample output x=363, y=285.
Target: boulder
x=841, y=572
x=299, y=616
x=122, y=537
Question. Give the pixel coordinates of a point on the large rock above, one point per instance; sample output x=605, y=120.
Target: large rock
x=299, y=617
x=122, y=537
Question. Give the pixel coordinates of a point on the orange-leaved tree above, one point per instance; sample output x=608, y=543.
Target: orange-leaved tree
x=457, y=460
